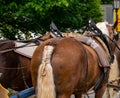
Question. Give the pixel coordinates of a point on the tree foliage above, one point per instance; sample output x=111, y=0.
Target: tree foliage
x=36, y=15
x=106, y=1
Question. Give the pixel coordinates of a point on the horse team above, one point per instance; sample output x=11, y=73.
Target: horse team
x=59, y=67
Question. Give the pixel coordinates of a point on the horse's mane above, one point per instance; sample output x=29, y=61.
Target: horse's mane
x=103, y=28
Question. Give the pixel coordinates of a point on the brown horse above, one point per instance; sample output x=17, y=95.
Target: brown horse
x=61, y=67
x=15, y=67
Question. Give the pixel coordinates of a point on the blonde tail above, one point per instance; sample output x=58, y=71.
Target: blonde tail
x=45, y=82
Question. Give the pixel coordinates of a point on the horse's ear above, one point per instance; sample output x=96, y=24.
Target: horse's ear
x=115, y=24
x=114, y=27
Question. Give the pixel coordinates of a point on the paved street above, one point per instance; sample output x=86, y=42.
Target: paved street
x=91, y=95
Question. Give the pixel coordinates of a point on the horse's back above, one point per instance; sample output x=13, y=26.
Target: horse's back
x=70, y=60
x=67, y=49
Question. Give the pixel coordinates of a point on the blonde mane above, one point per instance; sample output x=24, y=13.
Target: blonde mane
x=103, y=28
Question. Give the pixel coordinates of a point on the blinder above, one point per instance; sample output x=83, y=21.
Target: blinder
x=116, y=37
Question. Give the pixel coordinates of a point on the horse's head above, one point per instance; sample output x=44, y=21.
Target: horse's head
x=107, y=29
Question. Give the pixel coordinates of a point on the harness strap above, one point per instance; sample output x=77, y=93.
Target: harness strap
x=99, y=51
x=23, y=77
x=101, y=54
x=99, y=81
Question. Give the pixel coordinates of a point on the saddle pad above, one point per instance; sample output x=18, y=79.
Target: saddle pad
x=26, y=50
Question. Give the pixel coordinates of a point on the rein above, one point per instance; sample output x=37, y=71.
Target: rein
x=23, y=76
x=8, y=68
x=114, y=43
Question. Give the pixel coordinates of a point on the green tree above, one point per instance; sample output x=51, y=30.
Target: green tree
x=36, y=15
x=106, y=1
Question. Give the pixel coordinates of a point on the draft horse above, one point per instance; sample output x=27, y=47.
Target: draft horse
x=15, y=67
x=61, y=67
